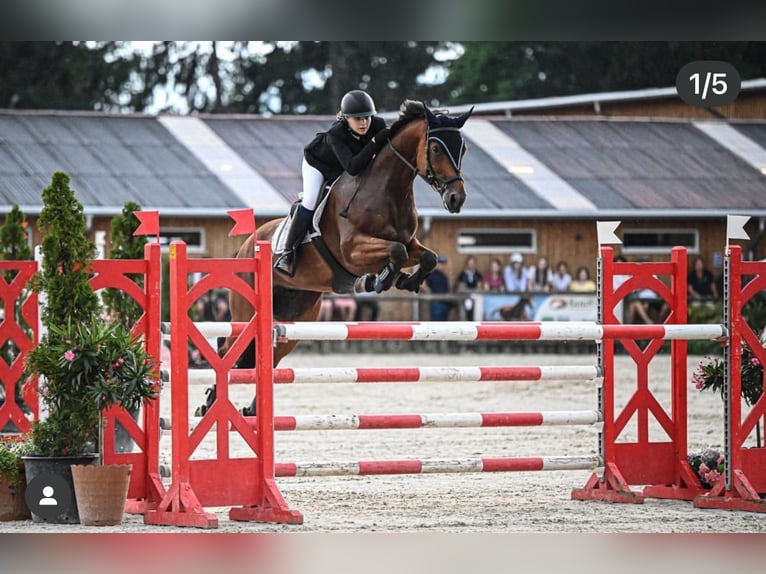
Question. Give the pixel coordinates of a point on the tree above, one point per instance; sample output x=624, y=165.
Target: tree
x=125, y=245
x=64, y=75
x=63, y=276
x=500, y=71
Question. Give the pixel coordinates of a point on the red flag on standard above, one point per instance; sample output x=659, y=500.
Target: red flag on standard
x=150, y=223
x=244, y=222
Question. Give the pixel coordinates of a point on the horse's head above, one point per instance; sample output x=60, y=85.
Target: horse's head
x=444, y=151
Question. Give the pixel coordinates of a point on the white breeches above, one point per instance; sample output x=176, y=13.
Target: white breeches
x=312, y=184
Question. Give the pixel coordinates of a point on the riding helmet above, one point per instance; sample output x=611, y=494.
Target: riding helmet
x=357, y=104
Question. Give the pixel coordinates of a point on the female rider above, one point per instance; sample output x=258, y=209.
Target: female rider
x=349, y=145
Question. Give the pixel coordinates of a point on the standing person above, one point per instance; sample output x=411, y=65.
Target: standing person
x=437, y=283
x=349, y=145
x=582, y=282
x=469, y=280
x=516, y=275
x=540, y=275
x=701, y=284
x=561, y=279
x=494, y=281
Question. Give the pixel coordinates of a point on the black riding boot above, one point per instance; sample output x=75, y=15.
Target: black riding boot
x=300, y=224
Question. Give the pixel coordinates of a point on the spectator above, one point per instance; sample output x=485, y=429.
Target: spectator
x=468, y=280
x=701, y=284
x=220, y=305
x=344, y=308
x=493, y=278
x=540, y=275
x=561, y=279
x=582, y=282
x=516, y=275
x=437, y=283
x=639, y=306
x=340, y=309
x=367, y=301
x=325, y=311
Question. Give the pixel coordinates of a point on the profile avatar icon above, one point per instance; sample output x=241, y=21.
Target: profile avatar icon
x=48, y=499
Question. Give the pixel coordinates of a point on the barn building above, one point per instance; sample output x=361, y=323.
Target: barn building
x=539, y=174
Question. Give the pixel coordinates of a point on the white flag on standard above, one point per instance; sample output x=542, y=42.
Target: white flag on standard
x=605, y=231
x=735, y=226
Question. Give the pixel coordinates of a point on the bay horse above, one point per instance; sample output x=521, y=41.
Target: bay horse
x=368, y=227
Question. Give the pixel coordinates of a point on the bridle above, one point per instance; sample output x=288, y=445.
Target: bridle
x=438, y=184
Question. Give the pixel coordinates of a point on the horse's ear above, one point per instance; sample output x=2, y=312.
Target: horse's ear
x=429, y=115
x=460, y=120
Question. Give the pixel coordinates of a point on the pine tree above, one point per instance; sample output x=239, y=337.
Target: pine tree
x=125, y=245
x=66, y=251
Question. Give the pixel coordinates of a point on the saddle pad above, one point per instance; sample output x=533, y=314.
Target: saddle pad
x=279, y=239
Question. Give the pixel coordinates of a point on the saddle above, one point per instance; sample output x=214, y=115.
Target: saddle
x=343, y=280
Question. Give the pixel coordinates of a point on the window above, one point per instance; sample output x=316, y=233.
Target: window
x=496, y=240
x=193, y=237
x=659, y=240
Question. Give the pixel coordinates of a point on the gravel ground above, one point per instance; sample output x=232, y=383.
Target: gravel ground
x=518, y=502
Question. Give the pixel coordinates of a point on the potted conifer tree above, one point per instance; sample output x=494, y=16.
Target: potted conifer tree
x=84, y=362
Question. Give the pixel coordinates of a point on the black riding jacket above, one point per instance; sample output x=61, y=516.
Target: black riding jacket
x=339, y=149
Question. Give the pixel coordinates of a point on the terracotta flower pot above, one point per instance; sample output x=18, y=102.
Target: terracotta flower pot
x=101, y=493
x=12, y=504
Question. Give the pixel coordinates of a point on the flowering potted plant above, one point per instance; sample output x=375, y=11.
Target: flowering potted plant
x=709, y=375
x=709, y=465
x=84, y=363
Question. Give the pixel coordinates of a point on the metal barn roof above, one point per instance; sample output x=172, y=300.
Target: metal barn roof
x=516, y=167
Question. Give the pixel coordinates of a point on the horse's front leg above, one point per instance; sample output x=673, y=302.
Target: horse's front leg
x=363, y=250
x=426, y=260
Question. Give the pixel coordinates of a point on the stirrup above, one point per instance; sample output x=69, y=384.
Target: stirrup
x=286, y=263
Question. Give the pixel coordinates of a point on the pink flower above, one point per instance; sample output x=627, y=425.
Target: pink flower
x=704, y=468
x=712, y=476
x=69, y=356
x=698, y=386
x=755, y=362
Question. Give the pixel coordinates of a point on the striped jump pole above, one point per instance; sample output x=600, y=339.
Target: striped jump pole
x=435, y=466
x=212, y=329
x=416, y=421
x=490, y=331
x=405, y=374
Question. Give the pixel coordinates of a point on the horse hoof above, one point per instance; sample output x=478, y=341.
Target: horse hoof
x=385, y=278
x=248, y=411
x=408, y=283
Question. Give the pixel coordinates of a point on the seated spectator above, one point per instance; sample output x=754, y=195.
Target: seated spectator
x=701, y=285
x=582, y=282
x=326, y=310
x=561, y=279
x=516, y=275
x=367, y=301
x=438, y=283
x=344, y=308
x=639, y=306
x=540, y=275
x=493, y=278
x=468, y=280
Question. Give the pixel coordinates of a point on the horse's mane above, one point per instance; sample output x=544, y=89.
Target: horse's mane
x=408, y=111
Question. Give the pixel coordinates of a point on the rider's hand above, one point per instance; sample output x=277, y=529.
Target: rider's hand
x=382, y=136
